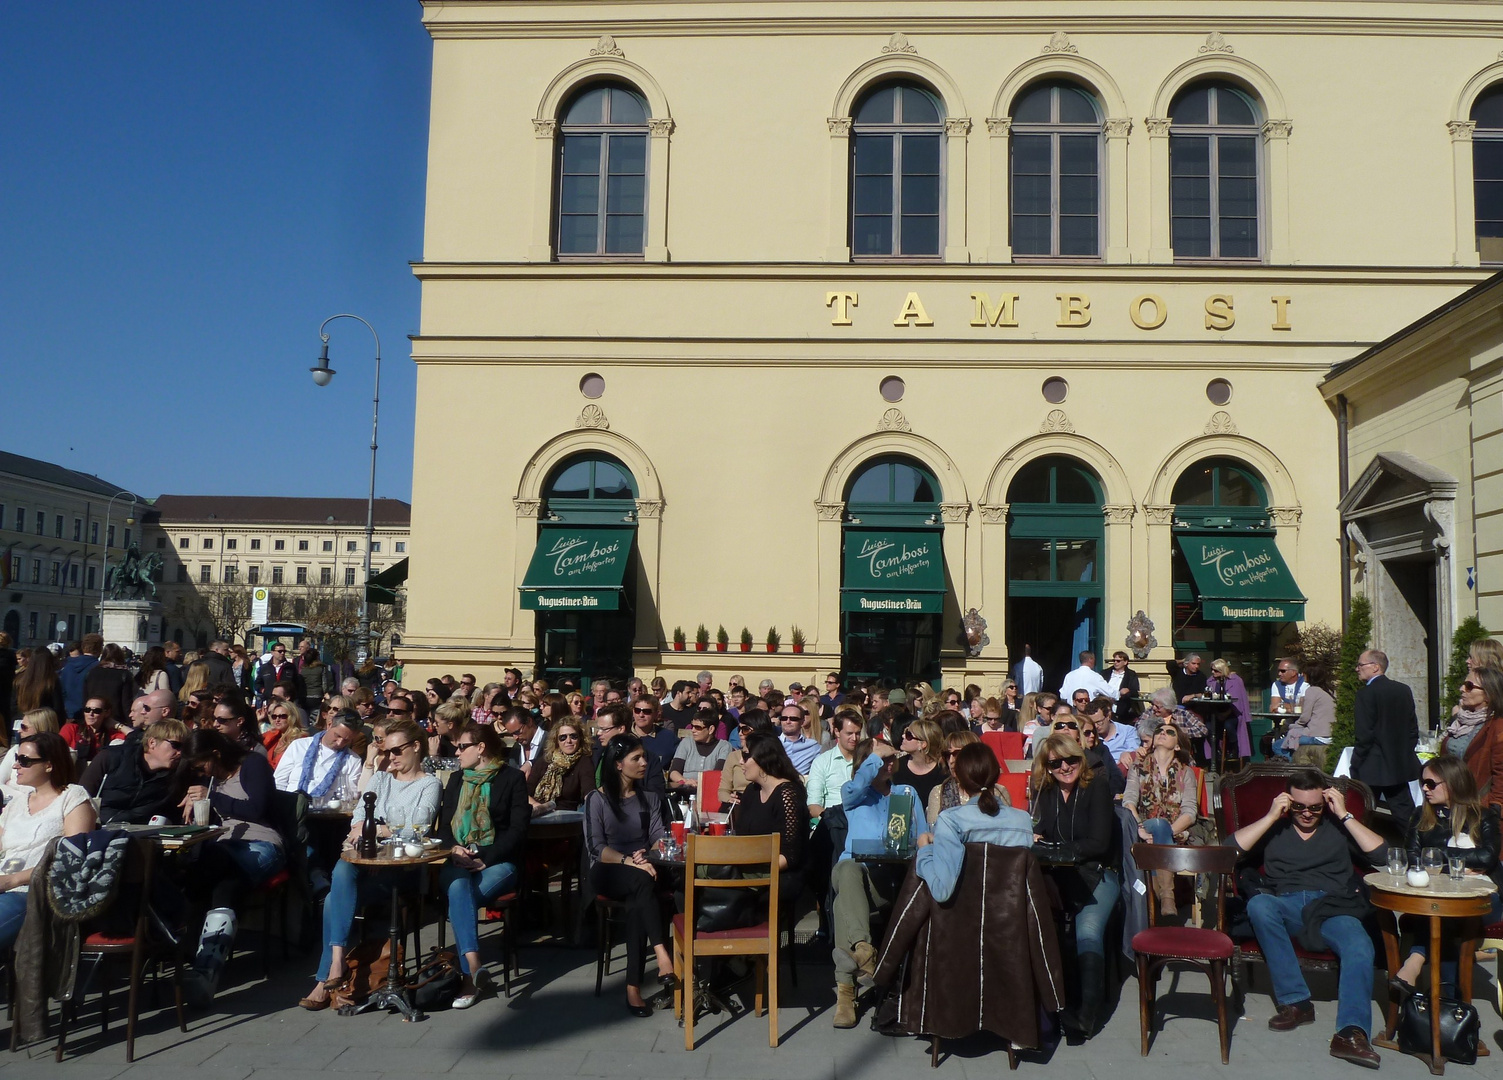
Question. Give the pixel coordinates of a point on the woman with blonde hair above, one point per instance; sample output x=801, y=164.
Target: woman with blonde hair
x=195, y=678
x=288, y=724
x=923, y=769
x=576, y=704
x=1028, y=714
x=32, y=723
x=570, y=771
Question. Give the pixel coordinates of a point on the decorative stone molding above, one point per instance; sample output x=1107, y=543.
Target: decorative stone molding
x=1059, y=43
x=544, y=129
x=1277, y=129
x=1461, y=130
x=994, y=513
x=973, y=627
x=1056, y=421
x=528, y=508
x=999, y=125
x=607, y=46
x=1215, y=43
x=1285, y=516
x=840, y=125
x=955, y=513
x=1157, y=126
x=1221, y=423
x=833, y=511
x=649, y=509
x=660, y=126
x=1140, y=637
x=898, y=43
x=1117, y=128
x=1119, y=514
x=593, y=416
x=1158, y=515
x=958, y=125
x=894, y=420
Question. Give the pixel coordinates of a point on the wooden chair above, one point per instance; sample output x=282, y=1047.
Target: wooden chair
x=1004, y=745
x=709, y=791
x=760, y=941
x=137, y=949
x=1207, y=949
x=1245, y=797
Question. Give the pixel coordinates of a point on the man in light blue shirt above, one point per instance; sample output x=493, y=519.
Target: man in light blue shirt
x=801, y=749
x=832, y=769
x=860, y=888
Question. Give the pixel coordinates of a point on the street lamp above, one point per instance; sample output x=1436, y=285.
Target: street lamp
x=104, y=571
x=322, y=375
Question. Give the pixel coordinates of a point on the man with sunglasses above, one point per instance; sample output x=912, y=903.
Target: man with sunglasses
x=1386, y=731
x=1307, y=843
x=832, y=697
x=699, y=752
x=135, y=780
x=659, y=740
x=1087, y=678
x=613, y=720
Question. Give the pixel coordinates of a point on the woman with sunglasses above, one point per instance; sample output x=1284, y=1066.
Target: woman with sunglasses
x=982, y=816
x=622, y=821
x=1452, y=818
x=51, y=806
x=31, y=723
x=1161, y=796
x=97, y=731
x=774, y=802
x=1072, y=807
x=569, y=774
x=288, y=725
x=1483, y=754
x=405, y=796
x=482, y=820
x=923, y=767
x=949, y=795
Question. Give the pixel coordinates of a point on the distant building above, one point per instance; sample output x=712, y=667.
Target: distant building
x=56, y=529
x=307, y=553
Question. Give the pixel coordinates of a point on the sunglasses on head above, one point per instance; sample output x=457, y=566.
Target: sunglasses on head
x=1056, y=764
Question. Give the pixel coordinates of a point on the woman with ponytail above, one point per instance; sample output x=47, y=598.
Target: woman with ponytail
x=981, y=818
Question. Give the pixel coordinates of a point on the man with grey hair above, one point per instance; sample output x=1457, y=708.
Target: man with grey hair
x=1288, y=692
x=705, y=680
x=1189, y=681
x=349, y=686
x=1386, y=732
x=149, y=708
x=764, y=686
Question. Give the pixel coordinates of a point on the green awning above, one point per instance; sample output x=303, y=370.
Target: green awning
x=894, y=571
x=382, y=587
x=1242, y=578
x=577, y=568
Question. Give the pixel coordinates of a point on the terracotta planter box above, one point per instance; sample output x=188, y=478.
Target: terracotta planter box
x=746, y=646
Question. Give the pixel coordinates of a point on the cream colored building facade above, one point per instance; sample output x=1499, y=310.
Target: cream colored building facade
x=750, y=366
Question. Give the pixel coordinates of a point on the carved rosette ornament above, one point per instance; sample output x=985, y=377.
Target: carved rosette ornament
x=1119, y=515
x=544, y=129
x=649, y=509
x=1059, y=43
x=1221, y=423
x=994, y=513
x=1119, y=127
x=1158, y=126
x=898, y=43
x=1140, y=637
x=958, y=125
x=973, y=627
x=528, y=508
x=1285, y=517
x=894, y=420
x=1215, y=43
x=1056, y=421
x=592, y=416
x=1461, y=130
x=840, y=126
x=830, y=511
x=661, y=126
x=607, y=46
x=1159, y=515
x=955, y=513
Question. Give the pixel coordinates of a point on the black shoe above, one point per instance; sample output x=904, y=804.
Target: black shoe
x=670, y=981
x=643, y=1011
x=1399, y=991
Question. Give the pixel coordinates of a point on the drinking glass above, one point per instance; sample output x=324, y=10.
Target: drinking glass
x=398, y=823
x=1398, y=861
x=1456, y=864
x=1433, y=859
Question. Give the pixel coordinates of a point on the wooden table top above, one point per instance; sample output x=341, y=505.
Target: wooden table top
x=1441, y=887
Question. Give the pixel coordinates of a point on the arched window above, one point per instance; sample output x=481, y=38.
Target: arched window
x=602, y=173
x=891, y=488
x=1213, y=170
x=1487, y=172
x=1056, y=172
x=1220, y=493
x=895, y=172
x=590, y=487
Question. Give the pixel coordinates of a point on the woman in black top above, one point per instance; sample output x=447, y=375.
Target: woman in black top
x=622, y=820
x=1072, y=806
x=923, y=769
x=774, y=802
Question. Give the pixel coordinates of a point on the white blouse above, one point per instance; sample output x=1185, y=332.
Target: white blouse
x=24, y=836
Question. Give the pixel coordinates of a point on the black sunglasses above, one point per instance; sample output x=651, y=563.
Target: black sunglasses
x=1056, y=764
x=25, y=761
x=1307, y=808
x=176, y=745
x=464, y=745
x=1428, y=785
x=89, y=710
x=1071, y=724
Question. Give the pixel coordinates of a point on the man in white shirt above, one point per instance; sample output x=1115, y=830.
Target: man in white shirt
x=521, y=725
x=1086, y=678
x=1028, y=674
x=1288, y=692
x=835, y=766
x=335, y=767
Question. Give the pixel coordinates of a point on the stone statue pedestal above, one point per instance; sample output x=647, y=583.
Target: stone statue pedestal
x=132, y=624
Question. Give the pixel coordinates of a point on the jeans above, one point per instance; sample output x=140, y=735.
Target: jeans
x=1162, y=831
x=1275, y=921
x=254, y=860
x=1448, y=965
x=466, y=891
x=1304, y=740
x=12, y=915
x=349, y=887
x=1090, y=923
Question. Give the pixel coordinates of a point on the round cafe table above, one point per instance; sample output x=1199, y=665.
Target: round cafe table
x=1468, y=900
x=394, y=994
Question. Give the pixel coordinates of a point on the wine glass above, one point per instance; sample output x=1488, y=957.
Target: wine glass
x=398, y=824
x=1398, y=861
x=1433, y=859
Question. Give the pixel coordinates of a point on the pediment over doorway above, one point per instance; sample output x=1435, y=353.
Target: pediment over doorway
x=1394, y=480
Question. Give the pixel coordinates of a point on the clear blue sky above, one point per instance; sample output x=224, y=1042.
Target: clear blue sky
x=187, y=191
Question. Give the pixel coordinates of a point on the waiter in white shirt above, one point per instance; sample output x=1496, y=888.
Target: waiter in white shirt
x=1087, y=678
x=1028, y=674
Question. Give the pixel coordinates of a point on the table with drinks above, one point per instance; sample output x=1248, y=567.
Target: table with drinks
x=1435, y=886
x=1216, y=708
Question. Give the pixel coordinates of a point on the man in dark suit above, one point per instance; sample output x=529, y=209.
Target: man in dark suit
x=1124, y=680
x=1383, y=755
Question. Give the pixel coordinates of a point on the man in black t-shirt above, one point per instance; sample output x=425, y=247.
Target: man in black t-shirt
x=680, y=708
x=1307, y=842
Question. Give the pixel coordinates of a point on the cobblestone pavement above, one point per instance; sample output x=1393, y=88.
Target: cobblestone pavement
x=554, y=1026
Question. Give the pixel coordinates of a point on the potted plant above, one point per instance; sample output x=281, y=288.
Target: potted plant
x=722, y=639
x=746, y=639
x=701, y=639
x=678, y=639
x=773, y=639
x=797, y=637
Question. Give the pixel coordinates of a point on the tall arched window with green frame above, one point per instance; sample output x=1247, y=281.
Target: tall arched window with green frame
x=592, y=487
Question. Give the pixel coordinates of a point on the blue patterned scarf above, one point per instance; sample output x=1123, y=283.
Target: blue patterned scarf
x=310, y=759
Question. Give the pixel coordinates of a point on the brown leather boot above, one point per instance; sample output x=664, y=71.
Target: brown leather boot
x=1163, y=888
x=845, y=1005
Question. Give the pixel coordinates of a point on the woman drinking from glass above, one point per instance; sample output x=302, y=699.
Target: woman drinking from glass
x=1073, y=808
x=238, y=786
x=568, y=774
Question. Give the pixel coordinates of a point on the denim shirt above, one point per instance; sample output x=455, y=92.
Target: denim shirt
x=939, y=863
x=866, y=810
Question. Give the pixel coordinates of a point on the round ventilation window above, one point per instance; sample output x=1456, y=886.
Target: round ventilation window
x=891, y=389
x=1219, y=391
x=592, y=385
x=1055, y=390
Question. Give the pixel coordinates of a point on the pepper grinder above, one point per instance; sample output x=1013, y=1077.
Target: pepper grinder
x=368, y=844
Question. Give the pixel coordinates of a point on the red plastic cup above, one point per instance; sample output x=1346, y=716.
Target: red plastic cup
x=719, y=828
x=677, y=828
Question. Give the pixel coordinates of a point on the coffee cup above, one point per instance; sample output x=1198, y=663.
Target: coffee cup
x=158, y=820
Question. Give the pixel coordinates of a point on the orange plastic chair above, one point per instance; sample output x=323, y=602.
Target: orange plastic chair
x=1005, y=745
x=709, y=791
x=1016, y=786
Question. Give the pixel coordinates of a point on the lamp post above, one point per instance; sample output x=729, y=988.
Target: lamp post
x=104, y=571
x=322, y=374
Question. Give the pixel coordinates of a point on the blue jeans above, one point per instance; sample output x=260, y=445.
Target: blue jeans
x=1304, y=740
x=348, y=888
x=1162, y=831
x=255, y=860
x=1448, y=966
x=12, y=915
x=466, y=891
x=1090, y=923
x=1275, y=921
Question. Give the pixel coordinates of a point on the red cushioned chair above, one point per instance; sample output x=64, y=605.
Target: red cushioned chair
x=1206, y=949
x=709, y=791
x=1005, y=745
x=1016, y=786
x=1245, y=797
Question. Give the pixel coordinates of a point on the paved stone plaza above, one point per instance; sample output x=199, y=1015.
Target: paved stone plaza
x=554, y=1026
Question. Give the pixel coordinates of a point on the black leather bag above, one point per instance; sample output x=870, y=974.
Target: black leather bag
x=727, y=908
x=1460, y=1028
x=437, y=982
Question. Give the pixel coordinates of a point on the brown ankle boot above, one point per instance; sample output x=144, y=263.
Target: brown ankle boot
x=1163, y=888
x=845, y=1005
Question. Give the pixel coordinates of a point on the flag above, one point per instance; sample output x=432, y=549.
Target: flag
x=5, y=578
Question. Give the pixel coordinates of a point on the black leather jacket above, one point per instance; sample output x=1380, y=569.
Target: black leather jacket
x=1483, y=857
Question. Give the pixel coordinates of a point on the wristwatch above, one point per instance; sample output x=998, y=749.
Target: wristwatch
x=1347, y=817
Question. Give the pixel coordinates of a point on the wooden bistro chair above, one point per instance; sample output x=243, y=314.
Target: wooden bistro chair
x=760, y=941
x=1209, y=950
